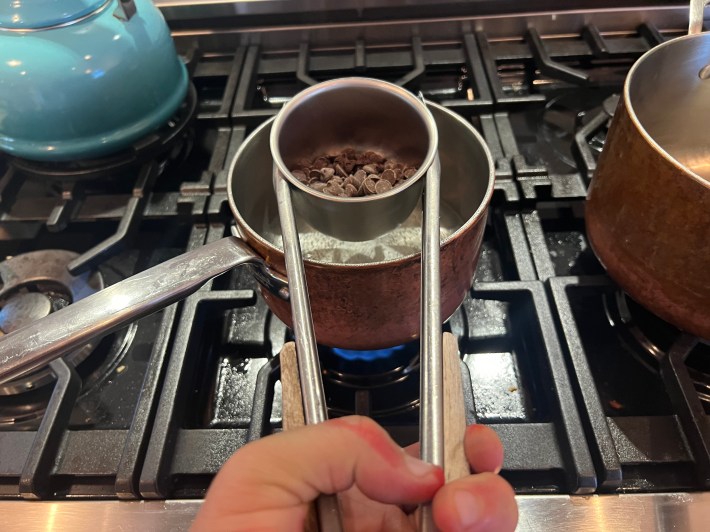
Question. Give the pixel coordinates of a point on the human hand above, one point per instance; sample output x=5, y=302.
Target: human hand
x=269, y=484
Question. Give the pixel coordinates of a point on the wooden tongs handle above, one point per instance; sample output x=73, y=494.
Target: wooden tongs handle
x=455, y=464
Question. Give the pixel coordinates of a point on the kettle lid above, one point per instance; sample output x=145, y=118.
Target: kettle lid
x=37, y=14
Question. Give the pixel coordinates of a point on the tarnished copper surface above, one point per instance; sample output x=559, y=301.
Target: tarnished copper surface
x=375, y=306
x=648, y=221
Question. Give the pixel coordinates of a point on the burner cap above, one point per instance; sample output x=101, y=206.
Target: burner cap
x=34, y=285
x=22, y=309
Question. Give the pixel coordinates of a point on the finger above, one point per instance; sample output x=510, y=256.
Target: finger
x=483, y=449
x=480, y=503
x=290, y=469
x=413, y=450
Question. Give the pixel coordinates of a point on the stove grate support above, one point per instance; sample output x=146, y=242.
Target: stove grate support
x=695, y=423
x=127, y=227
x=35, y=478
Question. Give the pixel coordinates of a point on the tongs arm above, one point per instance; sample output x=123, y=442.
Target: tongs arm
x=314, y=406
x=431, y=418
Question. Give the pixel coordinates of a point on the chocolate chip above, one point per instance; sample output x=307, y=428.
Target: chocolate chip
x=339, y=169
x=389, y=175
x=369, y=186
x=335, y=190
x=350, y=173
x=302, y=164
x=383, y=186
x=357, y=178
x=374, y=157
x=300, y=175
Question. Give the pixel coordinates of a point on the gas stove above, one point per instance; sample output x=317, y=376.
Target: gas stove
x=601, y=406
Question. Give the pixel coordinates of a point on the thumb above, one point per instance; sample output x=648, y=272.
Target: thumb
x=268, y=484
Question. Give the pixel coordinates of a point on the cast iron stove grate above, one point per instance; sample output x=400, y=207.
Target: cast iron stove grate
x=533, y=332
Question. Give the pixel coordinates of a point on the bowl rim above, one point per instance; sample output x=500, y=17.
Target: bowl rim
x=371, y=83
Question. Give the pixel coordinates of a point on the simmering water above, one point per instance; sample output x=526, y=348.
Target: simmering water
x=400, y=242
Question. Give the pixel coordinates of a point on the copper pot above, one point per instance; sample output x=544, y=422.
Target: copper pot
x=363, y=295
x=648, y=206
x=361, y=302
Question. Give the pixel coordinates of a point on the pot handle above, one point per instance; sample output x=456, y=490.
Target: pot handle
x=697, y=7
x=113, y=307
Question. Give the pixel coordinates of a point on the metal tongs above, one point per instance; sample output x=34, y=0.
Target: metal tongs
x=431, y=432
x=431, y=411
x=314, y=407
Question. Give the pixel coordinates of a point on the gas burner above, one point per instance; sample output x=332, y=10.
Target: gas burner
x=170, y=142
x=366, y=382
x=649, y=339
x=34, y=285
x=582, y=113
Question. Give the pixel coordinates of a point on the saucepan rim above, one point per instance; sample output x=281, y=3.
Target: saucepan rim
x=632, y=112
x=472, y=220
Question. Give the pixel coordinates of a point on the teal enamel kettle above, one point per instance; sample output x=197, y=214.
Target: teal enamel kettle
x=84, y=78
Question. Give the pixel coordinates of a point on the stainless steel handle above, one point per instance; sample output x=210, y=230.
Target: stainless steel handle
x=431, y=417
x=273, y=281
x=697, y=8
x=41, y=342
x=314, y=406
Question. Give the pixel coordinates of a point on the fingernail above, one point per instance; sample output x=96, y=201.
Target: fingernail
x=346, y=420
x=476, y=428
x=497, y=470
x=417, y=467
x=468, y=507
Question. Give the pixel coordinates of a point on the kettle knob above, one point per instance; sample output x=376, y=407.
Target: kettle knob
x=125, y=10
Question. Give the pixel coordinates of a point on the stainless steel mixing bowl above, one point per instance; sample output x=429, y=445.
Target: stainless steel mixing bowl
x=360, y=113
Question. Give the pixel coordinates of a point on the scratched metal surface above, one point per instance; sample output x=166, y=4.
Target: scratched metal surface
x=687, y=512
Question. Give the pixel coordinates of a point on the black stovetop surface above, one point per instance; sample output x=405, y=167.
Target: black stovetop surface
x=555, y=357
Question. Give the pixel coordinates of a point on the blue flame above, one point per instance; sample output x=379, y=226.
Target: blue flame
x=375, y=354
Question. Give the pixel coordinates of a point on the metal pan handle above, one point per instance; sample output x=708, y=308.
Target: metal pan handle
x=110, y=309
x=697, y=8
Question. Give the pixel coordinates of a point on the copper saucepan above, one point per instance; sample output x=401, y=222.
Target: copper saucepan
x=648, y=206
x=364, y=295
